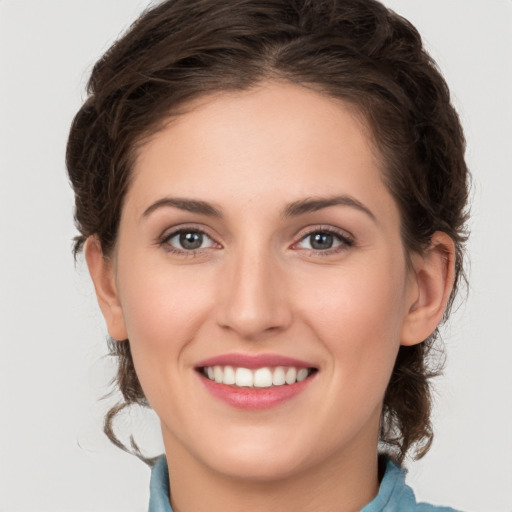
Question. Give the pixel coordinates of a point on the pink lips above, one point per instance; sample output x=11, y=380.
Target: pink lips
x=254, y=398
x=253, y=361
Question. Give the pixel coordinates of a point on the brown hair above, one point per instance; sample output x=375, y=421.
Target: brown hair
x=355, y=50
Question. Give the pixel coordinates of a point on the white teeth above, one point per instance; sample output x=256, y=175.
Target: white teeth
x=302, y=374
x=279, y=378
x=243, y=377
x=229, y=375
x=218, y=374
x=291, y=375
x=260, y=378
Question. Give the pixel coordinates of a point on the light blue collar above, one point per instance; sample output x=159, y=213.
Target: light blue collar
x=159, y=497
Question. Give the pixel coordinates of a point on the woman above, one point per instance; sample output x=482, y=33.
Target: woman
x=271, y=198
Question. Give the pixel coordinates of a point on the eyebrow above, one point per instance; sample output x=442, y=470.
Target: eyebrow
x=294, y=209
x=314, y=204
x=189, y=205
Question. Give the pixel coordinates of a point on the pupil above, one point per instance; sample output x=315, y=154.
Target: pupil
x=191, y=240
x=321, y=241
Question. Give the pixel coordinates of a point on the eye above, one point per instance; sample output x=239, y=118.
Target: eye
x=188, y=240
x=323, y=240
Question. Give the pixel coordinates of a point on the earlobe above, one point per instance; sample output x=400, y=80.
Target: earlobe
x=102, y=275
x=433, y=276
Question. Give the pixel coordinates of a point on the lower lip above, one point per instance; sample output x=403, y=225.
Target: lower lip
x=255, y=398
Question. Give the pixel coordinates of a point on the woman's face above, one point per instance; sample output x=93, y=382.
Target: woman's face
x=258, y=244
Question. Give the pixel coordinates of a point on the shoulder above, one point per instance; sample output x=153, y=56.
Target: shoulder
x=396, y=496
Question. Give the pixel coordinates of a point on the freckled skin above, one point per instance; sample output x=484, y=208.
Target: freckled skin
x=256, y=286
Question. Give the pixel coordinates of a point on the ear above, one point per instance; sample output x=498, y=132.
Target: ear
x=432, y=277
x=103, y=277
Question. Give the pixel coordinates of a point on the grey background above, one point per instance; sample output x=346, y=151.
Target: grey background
x=53, y=456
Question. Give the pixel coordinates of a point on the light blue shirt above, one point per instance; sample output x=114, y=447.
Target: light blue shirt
x=394, y=495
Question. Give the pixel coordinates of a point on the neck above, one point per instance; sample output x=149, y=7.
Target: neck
x=341, y=484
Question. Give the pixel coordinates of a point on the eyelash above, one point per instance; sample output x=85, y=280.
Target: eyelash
x=345, y=241
x=165, y=241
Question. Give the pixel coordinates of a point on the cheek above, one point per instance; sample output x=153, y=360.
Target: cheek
x=358, y=314
x=163, y=308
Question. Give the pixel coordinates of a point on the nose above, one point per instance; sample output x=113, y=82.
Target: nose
x=253, y=301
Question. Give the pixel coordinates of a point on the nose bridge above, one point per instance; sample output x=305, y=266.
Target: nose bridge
x=254, y=300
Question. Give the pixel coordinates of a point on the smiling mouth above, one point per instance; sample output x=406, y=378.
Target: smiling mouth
x=265, y=377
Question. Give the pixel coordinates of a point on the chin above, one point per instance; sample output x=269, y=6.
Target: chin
x=262, y=466
x=259, y=457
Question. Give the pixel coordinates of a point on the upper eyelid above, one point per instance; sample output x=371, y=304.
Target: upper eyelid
x=342, y=233
x=174, y=234
x=181, y=228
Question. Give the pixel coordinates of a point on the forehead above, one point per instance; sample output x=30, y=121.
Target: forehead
x=271, y=106
x=278, y=140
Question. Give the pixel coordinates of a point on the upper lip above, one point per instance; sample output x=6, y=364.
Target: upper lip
x=251, y=361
